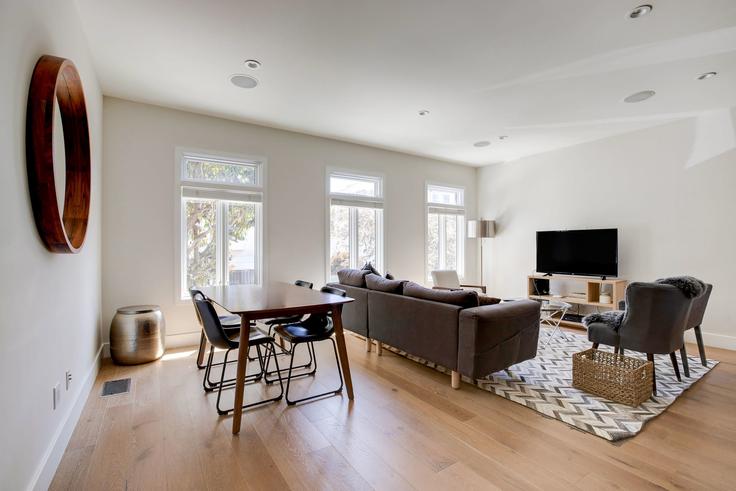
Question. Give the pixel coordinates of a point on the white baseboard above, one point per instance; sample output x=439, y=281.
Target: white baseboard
x=47, y=467
x=713, y=340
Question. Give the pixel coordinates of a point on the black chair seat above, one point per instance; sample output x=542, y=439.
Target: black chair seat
x=304, y=333
x=283, y=320
x=255, y=337
x=230, y=321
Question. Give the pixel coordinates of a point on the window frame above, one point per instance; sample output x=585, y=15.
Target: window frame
x=379, y=199
x=458, y=210
x=221, y=192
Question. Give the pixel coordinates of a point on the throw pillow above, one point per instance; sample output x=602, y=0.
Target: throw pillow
x=612, y=318
x=369, y=267
x=378, y=283
x=461, y=298
x=389, y=276
x=485, y=300
x=352, y=277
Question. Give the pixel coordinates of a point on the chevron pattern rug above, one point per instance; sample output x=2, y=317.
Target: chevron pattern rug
x=544, y=384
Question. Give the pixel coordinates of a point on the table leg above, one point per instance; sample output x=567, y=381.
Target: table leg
x=341, y=349
x=240, y=374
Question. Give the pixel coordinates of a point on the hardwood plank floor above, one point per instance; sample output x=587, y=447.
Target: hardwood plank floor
x=406, y=429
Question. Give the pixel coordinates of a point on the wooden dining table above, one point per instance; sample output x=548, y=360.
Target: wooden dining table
x=276, y=299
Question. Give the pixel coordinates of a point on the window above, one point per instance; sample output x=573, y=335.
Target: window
x=221, y=222
x=445, y=229
x=356, y=222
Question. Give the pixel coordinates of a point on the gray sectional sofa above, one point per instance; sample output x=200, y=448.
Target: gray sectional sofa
x=447, y=328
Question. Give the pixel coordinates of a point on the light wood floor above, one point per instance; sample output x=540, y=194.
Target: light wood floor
x=406, y=429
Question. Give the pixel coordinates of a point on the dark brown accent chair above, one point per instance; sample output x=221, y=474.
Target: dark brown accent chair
x=654, y=323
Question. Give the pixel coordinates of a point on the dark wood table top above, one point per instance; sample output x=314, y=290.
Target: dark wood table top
x=272, y=299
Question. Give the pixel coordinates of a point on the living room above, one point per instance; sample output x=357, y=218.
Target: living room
x=424, y=169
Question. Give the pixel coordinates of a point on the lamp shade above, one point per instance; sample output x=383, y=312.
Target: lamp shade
x=481, y=229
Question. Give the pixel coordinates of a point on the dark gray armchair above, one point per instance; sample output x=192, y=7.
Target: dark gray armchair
x=654, y=322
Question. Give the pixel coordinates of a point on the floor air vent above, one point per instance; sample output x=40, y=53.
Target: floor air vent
x=113, y=387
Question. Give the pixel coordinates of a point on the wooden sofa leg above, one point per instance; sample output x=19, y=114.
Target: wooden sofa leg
x=379, y=348
x=455, y=382
x=368, y=344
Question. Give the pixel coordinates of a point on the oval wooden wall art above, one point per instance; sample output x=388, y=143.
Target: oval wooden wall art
x=57, y=79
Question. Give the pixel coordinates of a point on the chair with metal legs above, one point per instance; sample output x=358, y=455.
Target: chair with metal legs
x=231, y=323
x=315, y=328
x=219, y=338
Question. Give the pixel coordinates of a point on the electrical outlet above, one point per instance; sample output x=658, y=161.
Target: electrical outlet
x=68, y=379
x=57, y=396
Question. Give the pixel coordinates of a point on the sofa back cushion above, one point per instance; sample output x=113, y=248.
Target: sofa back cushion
x=381, y=284
x=461, y=298
x=352, y=277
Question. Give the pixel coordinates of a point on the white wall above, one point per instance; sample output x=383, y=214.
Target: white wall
x=49, y=303
x=139, y=225
x=671, y=219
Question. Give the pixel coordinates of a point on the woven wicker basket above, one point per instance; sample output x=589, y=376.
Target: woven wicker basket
x=615, y=377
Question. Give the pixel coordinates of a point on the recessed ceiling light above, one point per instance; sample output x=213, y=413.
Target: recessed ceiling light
x=423, y=112
x=503, y=137
x=481, y=144
x=640, y=11
x=253, y=64
x=640, y=96
x=244, y=81
x=707, y=75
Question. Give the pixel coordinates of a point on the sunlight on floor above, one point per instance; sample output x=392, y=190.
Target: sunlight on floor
x=177, y=355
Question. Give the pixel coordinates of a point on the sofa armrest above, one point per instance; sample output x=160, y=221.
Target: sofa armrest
x=494, y=337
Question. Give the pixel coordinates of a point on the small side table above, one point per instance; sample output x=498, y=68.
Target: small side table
x=552, y=313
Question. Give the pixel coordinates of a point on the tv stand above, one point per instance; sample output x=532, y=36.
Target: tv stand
x=593, y=287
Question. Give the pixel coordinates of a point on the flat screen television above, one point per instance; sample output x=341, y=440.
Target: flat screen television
x=578, y=252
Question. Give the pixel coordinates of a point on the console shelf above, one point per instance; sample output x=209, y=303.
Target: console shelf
x=592, y=290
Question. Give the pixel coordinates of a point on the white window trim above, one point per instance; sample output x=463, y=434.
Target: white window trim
x=458, y=209
x=366, y=201
x=217, y=191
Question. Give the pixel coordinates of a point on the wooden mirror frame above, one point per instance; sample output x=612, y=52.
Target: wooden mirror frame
x=57, y=79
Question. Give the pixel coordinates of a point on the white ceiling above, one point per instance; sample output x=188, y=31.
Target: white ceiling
x=546, y=73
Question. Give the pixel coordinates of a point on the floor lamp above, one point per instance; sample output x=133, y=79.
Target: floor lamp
x=481, y=229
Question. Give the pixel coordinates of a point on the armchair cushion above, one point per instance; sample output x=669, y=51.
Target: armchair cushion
x=601, y=333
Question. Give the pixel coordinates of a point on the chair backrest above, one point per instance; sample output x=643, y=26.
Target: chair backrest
x=305, y=284
x=697, y=311
x=446, y=278
x=197, y=295
x=212, y=326
x=655, y=319
x=333, y=290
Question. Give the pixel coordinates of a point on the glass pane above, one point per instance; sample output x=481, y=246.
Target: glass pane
x=241, y=243
x=433, y=243
x=226, y=173
x=367, y=219
x=339, y=238
x=352, y=185
x=450, y=241
x=201, y=260
x=444, y=196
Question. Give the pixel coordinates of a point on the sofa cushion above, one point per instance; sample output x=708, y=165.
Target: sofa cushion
x=462, y=298
x=370, y=268
x=486, y=300
x=352, y=277
x=381, y=284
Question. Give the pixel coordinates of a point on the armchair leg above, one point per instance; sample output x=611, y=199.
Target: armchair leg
x=701, y=347
x=455, y=380
x=595, y=345
x=685, y=363
x=650, y=357
x=673, y=358
x=368, y=344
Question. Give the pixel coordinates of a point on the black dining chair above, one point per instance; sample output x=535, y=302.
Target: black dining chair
x=220, y=338
x=315, y=328
x=230, y=323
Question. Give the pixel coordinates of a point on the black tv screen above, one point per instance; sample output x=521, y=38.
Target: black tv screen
x=581, y=252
